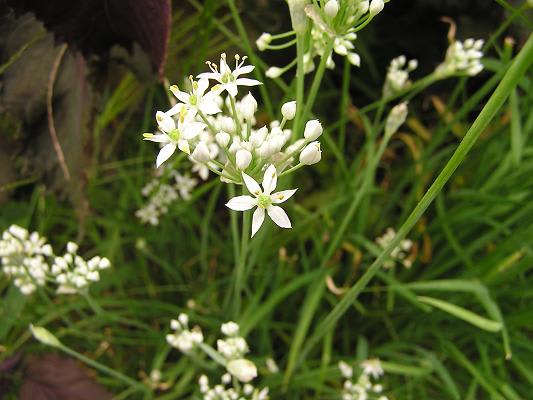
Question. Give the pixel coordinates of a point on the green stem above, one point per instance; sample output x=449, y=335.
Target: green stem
x=300, y=82
x=240, y=271
x=209, y=124
x=235, y=116
x=519, y=66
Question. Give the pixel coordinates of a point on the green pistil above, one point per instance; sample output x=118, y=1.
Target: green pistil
x=228, y=77
x=174, y=135
x=264, y=201
x=193, y=100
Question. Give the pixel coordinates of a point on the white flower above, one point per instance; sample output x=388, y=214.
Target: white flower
x=174, y=135
x=196, y=100
x=311, y=154
x=263, y=200
x=244, y=370
x=372, y=367
x=227, y=78
x=288, y=110
x=313, y=130
x=346, y=370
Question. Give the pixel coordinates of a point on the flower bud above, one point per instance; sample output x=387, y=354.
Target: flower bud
x=396, y=118
x=298, y=16
x=230, y=328
x=263, y=41
x=376, y=6
x=364, y=6
x=274, y=72
x=222, y=138
x=201, y=153
x=258, y=137
x=311, y=154
x=244, y=370
x=354, y=59
x=243, y=158
x=248, y=106
x=331, y=8
x=44, y=336
x=288, y=110
x=313, y=130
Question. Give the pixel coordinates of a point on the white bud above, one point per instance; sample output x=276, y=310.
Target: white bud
x=364, y=6
x=331, y=8
x=396, y=118
x=243, y=158
x=263, y=41
x=183, y=319
x=201, y=153
x=46, y=337
x=412, y=65
x=288, y=110
x=248, y=106
x=258, y=137
x=376, y=6
x=274, y=72
x=72, y=247
x=354, y=59
x=313, y=130
x=244, y=370
x=298, y=15
x=311, y=154
x=230, y=328
x=222, y=138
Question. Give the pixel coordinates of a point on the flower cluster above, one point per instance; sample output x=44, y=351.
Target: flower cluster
x=398, y=75
x=362, y=388
x=30, y=261
x=463, y=58
x=229, y=353
x=219, y=134
x=24, y=258
x=333, y=29
x=73, y=274
x=161, y=195
x=399, y=254
x=183, y=338
x=224, y=391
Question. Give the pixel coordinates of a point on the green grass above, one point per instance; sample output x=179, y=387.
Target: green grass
x=457, y=325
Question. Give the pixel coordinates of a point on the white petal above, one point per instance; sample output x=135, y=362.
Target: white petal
x=247, y=82
x=243, y=70
x=270, y=179
x=279, y=217
x=257, y=219
x=231, y=88
x=209, y=107
x=208, y=75
x=282, y=196
x=251, y=184
x=241, y=203
x=165, y=153
x=203, y=84
x=160, y=138
x=192, y=129
x=175, y=110
x=183, y=145
x=165, y=121
x=181, y=96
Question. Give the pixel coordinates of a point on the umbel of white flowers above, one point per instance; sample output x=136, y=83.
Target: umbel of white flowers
x=218, y=131
x=30, y=261
x=334, y=25
x=362, y=386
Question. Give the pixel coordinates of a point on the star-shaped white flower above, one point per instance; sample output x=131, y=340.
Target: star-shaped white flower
x=229, y=79
x=174, y=135
x=263, y=200
x=196, y=100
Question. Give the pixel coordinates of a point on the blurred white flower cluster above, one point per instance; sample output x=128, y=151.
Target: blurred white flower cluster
x=400, y=254
x=73, y=274
x=30, y=262
x=219, y=134
x=463, y=58
x=160, y=194
x=332, y=21
x=24, y=258
x=398, y=75
x=361, y=387
x=230, y=353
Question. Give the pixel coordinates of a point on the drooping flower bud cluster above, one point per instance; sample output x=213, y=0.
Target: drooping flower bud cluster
x=399, y=254
x=30, y=261
x=167, y=187
x=398, y=75
x=362, y=387
x=335, y=21
x=73, y=274
x=24, y=258
x=183, y=338
x=462, y=58
x=225, y=391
